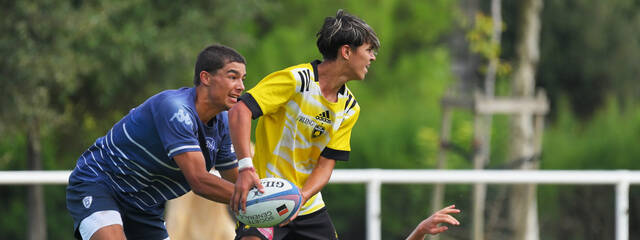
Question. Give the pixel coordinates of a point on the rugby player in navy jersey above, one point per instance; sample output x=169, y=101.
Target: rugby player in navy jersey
x=160, y=150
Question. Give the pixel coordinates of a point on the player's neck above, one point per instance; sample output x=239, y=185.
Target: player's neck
x=331, y=79
x=205, y=108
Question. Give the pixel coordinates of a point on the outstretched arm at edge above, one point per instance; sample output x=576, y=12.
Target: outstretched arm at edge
x=430, y=225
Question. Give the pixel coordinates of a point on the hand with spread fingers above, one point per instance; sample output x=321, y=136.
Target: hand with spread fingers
x=430, y=225
x=247, y=179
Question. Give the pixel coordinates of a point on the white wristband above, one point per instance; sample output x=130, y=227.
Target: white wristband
x=245, y=163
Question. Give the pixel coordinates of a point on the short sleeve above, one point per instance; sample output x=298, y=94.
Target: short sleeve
x=340, y=144
x=176, y=126
x=270, y=93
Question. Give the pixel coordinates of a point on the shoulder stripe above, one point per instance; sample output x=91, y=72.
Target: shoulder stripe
x=352, y=104
x=302, y=81
x=306, y=72
x=305, y=79
x=346, y=104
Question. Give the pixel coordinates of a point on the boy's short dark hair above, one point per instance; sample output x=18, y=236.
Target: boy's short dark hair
x=343, y=29
x=213, y=58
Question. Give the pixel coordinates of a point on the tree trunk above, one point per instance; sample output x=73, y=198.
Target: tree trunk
x=482, y=128
x=523, y=212
x=35, y=199
x=464, y=66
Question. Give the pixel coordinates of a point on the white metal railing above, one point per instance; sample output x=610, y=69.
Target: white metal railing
x=373, y=178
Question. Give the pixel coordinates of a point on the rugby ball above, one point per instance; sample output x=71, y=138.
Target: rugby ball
x=280, y=200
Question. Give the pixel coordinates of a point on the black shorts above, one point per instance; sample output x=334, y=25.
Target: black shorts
x=316, y=225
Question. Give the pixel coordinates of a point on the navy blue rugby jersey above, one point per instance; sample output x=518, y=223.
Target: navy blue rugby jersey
x=135, y=158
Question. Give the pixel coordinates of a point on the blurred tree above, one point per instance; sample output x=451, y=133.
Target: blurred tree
x=72, y=68
x=590, y=50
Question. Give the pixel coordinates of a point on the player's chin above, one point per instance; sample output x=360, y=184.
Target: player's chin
x=230, y=103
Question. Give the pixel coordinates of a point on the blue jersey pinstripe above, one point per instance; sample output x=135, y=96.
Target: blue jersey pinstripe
x=135, y=158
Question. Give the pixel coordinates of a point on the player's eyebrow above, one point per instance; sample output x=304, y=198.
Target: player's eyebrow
x=232, y=71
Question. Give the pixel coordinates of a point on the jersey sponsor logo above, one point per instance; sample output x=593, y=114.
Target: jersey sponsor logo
x=181, y=116
x=324, y=117
x=318, y=129
x=306, y=121
x=86, y=201
x=211, y=143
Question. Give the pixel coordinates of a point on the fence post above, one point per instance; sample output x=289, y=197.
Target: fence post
x=622, y=210
x=373, y=209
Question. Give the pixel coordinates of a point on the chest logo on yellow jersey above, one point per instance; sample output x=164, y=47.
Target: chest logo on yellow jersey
x=318, y=130
x=317, y=124
x=324, y=117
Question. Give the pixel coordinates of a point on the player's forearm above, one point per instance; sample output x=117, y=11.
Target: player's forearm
x=230, y=175
x=319, y=177
x=214, y=188
x=415, y=235
x=240, y=129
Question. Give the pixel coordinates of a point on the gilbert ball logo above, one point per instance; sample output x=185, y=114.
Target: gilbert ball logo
x=86, y=201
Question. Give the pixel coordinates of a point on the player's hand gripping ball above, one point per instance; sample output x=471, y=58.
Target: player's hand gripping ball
x=280, y=200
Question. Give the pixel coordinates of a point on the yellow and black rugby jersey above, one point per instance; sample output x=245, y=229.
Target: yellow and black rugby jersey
x=298, y=125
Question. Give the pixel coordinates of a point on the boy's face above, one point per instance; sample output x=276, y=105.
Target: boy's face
x=361, y=59
x=227, y=85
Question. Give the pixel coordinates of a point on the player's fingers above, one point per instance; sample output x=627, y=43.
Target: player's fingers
x=439, y=229
x=243, y=200
x=444, y=218
x=258, y=184
x=290, y=219
x=449, y=210
x=232, y=202
x=450, y=220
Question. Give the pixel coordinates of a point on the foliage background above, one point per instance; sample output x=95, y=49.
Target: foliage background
x=75, y=67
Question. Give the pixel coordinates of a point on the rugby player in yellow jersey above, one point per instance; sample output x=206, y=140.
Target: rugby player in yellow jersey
x=306, y=116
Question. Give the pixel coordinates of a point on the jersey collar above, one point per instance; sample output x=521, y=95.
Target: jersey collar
x=314, y=65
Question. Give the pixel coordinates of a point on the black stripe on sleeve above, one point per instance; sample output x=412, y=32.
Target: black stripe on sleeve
x=302, y=81
x=251, y=103
x=335, y=154
x=352, y=105
x=346, y=104
x=314, y=65
x=306, y=73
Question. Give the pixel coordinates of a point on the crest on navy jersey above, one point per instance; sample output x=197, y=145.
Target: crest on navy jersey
x=211, y=143
x=86, y=201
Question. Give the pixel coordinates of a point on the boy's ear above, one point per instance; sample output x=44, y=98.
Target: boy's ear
x=345, y=51
x=204, y=77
